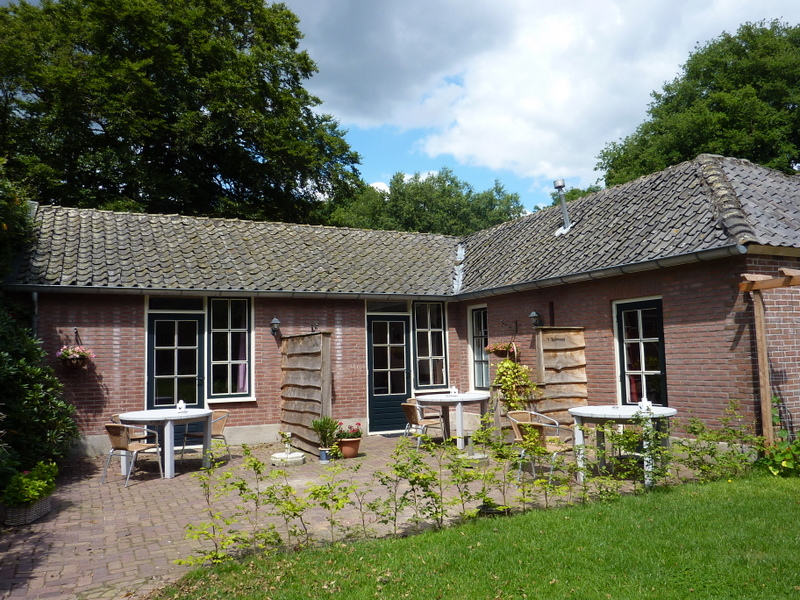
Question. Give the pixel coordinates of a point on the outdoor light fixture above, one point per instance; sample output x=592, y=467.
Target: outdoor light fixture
x=536, y=319
x=275, y=326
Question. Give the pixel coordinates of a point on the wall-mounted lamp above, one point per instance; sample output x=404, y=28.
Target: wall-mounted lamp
x=275, y=326
x=536, y=319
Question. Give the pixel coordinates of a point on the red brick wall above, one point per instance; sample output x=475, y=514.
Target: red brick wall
x=114, y=328
x=707, y=330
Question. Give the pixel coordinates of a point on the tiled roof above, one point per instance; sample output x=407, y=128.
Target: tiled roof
x=704, y=205
x=91, y=248
x=698, y=206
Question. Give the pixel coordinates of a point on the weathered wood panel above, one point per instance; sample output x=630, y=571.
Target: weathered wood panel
x=305, y=386
x=561, y=362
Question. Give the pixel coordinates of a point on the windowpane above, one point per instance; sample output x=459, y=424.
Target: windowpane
x=165, y=362
x=238, y=314
x=651, y=323
x=164, y=333
x=653, y=389
x=480, y=338
x=220, y=379
x=424, y=372
x=630, y=319
x=437, y=343
x=652, y=356
x=421, y=314
x=635, y=388
x=165, y=392
x=380, y=383
x=633, y=360
x=397, y=333
x=438, y=371
x=187, y=333
x=380, y=332
x=380, y=357
x=187, y=390
x=398, y=382
x=423, y=349
x=239, y=345
x=436, y=316
x=187, y=362
x=219, y=314
x=397, y=357
x=219, y=346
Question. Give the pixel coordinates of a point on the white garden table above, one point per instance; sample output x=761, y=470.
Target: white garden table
x=458, y=400
x=615, y=413
x=167, y=418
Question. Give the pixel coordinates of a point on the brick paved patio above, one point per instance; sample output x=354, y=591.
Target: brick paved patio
x=109, y=542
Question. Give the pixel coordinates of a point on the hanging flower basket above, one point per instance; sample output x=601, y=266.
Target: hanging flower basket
x=506, y=350
x=75, y=357
x=27, y=513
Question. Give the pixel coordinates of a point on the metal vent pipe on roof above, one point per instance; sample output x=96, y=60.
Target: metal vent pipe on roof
x=560, y=185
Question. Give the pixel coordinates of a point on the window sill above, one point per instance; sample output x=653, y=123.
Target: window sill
x=236, y=400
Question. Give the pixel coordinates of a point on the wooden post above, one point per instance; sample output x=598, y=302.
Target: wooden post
x=764, y=383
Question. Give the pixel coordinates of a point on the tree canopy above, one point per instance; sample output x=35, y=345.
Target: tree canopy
x=738, y=95
x=435, y=203
x=167, y=106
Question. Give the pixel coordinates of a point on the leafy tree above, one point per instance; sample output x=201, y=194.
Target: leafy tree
x=737, y=96
x=167, y=106
x=437, y=203
x=574, y=193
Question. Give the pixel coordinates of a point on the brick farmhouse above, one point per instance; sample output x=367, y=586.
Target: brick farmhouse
x=182, y=308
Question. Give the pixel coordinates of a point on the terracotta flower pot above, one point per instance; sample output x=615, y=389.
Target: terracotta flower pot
x=349, y=447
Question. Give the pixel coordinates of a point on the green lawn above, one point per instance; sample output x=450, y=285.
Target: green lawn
x=729, y=539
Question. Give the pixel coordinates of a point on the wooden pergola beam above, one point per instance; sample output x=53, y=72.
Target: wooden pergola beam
x=753, y=282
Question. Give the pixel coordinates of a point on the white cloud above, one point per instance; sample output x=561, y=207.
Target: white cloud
x=533, y=87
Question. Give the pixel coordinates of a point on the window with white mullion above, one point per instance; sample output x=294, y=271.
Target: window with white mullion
x=641, y=341
x=430, y=329
x=230, y=346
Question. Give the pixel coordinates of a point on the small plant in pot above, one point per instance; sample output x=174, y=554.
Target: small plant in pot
x=348, y=439
x=325, y=428
x=26, y=497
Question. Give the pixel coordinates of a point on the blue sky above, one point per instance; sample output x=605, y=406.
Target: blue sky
x=522, y=91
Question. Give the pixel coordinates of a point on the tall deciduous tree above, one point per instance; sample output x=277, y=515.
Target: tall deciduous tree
x=188, y=106
x=435, y=203
x=738, y=95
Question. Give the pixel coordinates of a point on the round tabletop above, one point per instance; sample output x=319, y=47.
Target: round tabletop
x=615, y=411
x=450, y=398
x=166, y=414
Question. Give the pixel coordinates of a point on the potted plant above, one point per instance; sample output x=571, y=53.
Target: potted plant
x=348, y=439
x=504, y=350
x=325, y=428
x=74, y=356
x=515, y=383
x=27, y=495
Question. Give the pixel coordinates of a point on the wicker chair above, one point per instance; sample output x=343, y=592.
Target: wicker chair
x=139, y=434
x=530, y=429
x=219, y=418
x=122, y=445
x=416, y=423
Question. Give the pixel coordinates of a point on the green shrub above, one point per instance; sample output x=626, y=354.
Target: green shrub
x=39, y=423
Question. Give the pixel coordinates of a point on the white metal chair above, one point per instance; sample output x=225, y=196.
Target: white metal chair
x=122, y=445
x=530, y=432
x=219, y=418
